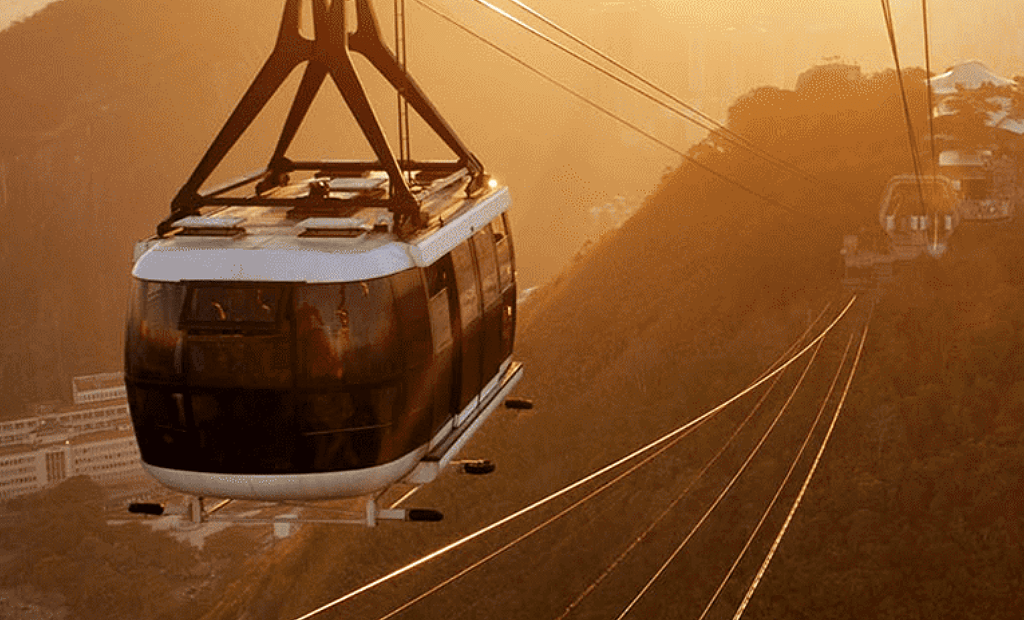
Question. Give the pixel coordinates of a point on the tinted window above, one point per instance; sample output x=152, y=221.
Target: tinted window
x=503, y=249
x=154, y=338
x=465, y=278
x=440, y=321
x=163, y=409
x=254, y=361
x=218, y=304
x=347, y=331
x=437, y=276
x=483, y=241
x=413, y=318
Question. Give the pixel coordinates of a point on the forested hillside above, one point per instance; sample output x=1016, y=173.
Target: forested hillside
x=916, y=512
x=920, y=509
x=106, y=106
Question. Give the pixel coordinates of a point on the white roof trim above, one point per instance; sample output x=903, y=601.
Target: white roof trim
x=439, y=243
x=281, y=264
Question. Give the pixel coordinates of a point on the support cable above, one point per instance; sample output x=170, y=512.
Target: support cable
x=541, y=526
x=887, y=14
x=928, y=74
x=668, y=509
x=803, y=489
x=705, y=119
x=796, y=343
x=787, y=208
x=725, y=491
x=404, y=147
x=604, y=486
x=785, y=481
x=931, y=110
x=665, y=512
x=582, y=481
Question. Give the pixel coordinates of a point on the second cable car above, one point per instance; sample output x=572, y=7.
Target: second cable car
x=914, y=227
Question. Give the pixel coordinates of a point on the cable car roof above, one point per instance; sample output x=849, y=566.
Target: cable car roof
x=285, y=244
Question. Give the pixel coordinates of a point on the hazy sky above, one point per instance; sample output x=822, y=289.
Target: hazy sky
x=12, y=10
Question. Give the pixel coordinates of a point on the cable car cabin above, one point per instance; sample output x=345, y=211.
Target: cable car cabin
x=276, y=354
x=322, y=329
x=914, y=228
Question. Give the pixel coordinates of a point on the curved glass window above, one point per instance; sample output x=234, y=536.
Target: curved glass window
x=258, y=377
x=503, y=247
x=236, y=335
x=154, y=338
x=347, y=332
x=229, y=360
x=413, y=317
x=466, y=282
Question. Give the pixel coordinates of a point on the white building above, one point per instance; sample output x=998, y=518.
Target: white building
x=92, y=437
x=972, y=75
x=20, y=472
x=97, y=388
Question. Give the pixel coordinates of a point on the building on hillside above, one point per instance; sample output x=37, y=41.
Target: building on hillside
x=982, y=139
x=92, y=437
x=100, y=387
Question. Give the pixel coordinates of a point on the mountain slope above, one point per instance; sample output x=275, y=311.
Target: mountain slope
x=662, y=318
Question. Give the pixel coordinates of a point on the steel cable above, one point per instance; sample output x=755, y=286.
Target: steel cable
x=706, y=122
x=728, y=487
x=782, y=485
x=785, y=207
x=803, y=489
x=582, y=481
x=661, y=516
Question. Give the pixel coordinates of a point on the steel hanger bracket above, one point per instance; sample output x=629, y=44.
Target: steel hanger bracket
x=327, y=54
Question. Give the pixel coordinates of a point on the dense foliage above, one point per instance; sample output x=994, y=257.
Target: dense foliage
x=58, y=542
x=919, y=510
x=69, y=549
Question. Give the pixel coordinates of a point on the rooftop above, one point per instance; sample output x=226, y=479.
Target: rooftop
x=970, y=74
x=99, y=381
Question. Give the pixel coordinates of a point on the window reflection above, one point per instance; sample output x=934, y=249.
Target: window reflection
x=234, y=304
x=154, y=337
x=347, y=331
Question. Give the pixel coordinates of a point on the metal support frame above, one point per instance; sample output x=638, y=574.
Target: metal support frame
x=327, y=54
x=195, y=512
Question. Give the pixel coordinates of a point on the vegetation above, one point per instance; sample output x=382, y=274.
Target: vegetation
x=969, y=109
x=916, y=513
x=59, y=542
x=911, y=515
x=63, y=550
x=106, y=106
